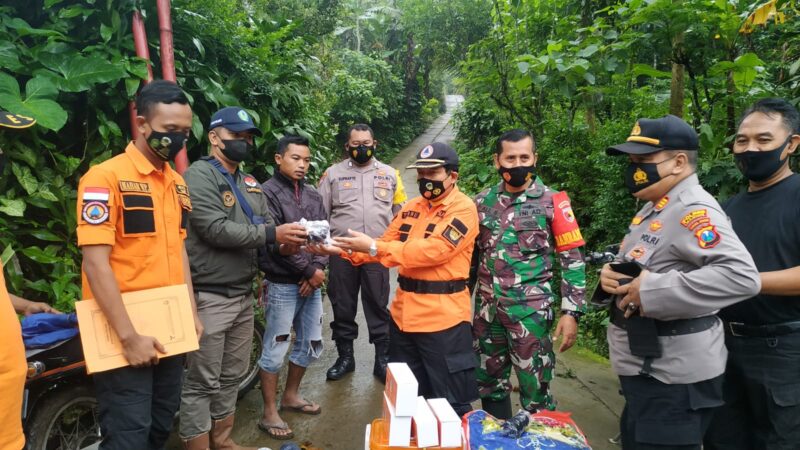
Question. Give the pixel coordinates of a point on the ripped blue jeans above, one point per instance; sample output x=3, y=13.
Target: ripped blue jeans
x=285, y=310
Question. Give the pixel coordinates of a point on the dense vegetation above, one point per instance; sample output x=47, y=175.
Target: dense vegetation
x=310, y=67
x=576, y=73
x=579, y=73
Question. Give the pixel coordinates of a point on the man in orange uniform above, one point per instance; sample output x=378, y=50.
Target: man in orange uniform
x=12, y=353
x=431, y=241
x=132, y=212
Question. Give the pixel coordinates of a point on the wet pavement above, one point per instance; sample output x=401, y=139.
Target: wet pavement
x=584, y=383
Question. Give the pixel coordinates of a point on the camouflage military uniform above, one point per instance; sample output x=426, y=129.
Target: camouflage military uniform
x=513, y=317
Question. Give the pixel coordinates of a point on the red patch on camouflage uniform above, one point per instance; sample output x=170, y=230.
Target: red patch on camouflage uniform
x=565, y=227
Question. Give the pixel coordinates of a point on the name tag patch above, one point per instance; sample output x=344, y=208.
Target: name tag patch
x=136, y=186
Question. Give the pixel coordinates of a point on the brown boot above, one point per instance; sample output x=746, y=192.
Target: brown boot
x=196, y=443
x=221, y=431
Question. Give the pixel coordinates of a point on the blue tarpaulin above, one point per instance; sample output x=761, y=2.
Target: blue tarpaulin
x=45, y=329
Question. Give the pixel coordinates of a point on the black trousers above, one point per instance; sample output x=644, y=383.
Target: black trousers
x=762, y=395
x=442, y=361
x=659, y=416
x=137, y=406
x=344, y=282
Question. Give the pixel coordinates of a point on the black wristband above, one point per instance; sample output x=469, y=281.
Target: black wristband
x=575, y=314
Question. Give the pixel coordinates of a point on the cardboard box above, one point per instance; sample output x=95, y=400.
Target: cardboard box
x=449, y=422
x=424, y=425
x=164, y=313
x=401, y=388
x=398, y=428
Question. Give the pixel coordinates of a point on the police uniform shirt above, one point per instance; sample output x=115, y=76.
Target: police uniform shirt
x=697, y=266
x=360, y=197
x=141, y=213
x=768, y=222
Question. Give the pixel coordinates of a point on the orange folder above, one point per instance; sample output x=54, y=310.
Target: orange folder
x=164, y=313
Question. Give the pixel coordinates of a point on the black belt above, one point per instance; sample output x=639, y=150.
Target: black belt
x=677, y=327
x=431, y=287
x=777, y=329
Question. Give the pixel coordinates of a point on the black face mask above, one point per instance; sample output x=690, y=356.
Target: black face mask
x=166, y=145
x=430, y=189
x=361, y=154
x=758, y=166
x=517, y=176
x=642, y=175
x=237, y=150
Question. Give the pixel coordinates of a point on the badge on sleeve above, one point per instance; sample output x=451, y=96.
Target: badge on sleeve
x=454, y=232
x=95, y=212
x=565, y=227
x=95, y=205
x=228, y=199
x=707, y=236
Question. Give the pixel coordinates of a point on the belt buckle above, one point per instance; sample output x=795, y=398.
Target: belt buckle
x=733, y=330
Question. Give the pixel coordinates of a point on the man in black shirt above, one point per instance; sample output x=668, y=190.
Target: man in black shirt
x=762, y=390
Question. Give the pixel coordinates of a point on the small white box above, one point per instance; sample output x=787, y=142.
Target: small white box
x=398, y=428
x=401, y=388
x=449, y=422
x=425, y=425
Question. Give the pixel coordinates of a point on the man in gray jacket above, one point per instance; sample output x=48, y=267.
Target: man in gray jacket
x=679, y=264
x=229, y=222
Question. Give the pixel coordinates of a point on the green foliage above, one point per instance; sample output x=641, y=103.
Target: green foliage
x=578, y=75
x=70, y=64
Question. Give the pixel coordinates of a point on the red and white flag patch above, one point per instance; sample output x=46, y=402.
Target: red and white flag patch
x=96, y=194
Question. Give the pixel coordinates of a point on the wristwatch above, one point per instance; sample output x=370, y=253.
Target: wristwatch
x=373, y=248
x=575, y=314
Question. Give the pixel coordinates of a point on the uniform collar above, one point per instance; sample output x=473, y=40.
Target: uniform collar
x=685, y=184
x=535, y=190
x=141, y=163
x=364, y=168
x=450, y=198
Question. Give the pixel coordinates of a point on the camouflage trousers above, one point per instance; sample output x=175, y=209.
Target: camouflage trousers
x=524, y=344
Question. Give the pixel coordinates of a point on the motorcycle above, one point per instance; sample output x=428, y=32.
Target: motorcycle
x=60, y=409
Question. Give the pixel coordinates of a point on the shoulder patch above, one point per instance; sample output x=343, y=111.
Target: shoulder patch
x=95, y=212
x=565, y=227
x=228, y=199
x=99, y=194
x=696, y=219
x=708, y=236
x=250, y=181
x=452, y=234
x=459, y=225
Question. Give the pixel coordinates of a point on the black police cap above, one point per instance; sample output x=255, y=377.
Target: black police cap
x=654, y=135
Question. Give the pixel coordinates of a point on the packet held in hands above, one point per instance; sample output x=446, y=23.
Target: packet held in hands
x=319, y=231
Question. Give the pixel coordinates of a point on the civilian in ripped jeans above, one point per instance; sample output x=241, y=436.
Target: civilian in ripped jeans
x=293, y=293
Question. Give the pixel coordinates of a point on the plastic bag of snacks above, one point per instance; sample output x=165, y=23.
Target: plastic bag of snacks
x=551, y=430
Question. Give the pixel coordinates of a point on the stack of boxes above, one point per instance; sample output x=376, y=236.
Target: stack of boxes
x=432, y=423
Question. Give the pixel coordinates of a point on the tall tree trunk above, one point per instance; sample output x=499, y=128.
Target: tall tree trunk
x=676, y=86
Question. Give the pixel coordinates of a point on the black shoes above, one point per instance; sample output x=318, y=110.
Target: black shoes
x=381, y=359
x=345, y=363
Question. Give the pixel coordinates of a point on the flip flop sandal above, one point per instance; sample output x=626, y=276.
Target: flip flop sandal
x=302, y=408
x=269, y=427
